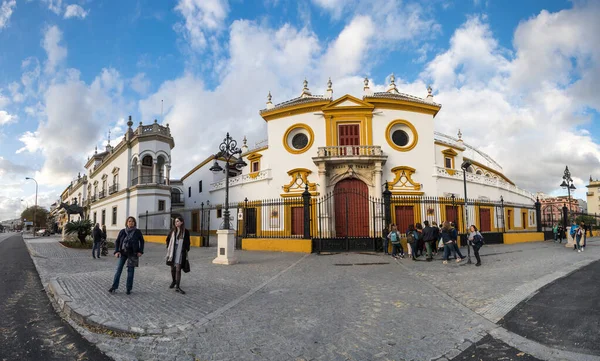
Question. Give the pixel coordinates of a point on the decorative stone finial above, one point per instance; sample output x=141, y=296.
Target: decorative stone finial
x=392, y=86
x=96, y=150
x=140, y=124
x=366, y=81
x=429, y=90
x=590, y=178
x=245, y=140
x=129, y=122
x=108, y=137
x=459, y=135
x=329, y=84
x=305, y=90
x=155, y=121
x=329, y=91
x=269, y=103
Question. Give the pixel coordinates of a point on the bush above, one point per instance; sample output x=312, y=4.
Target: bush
x=87, y=245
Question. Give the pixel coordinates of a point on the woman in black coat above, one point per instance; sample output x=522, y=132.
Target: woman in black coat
x=129, y=246
x=178, y=246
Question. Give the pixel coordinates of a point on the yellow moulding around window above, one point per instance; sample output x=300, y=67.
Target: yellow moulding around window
x=522, y=237
x=195, y=241
x=277, y=245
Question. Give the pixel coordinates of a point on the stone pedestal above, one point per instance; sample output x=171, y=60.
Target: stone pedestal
x=225, y=247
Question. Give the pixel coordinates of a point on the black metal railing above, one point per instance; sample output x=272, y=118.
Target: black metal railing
x=113, y=189
x=93, y=198
x=148, y=179
x=102, y=194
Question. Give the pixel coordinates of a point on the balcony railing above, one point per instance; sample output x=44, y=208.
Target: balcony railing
x=102, y=194
x=349, y=151
x=113, y=189
x=148, y=179
x=242, y=179
x=93, y=198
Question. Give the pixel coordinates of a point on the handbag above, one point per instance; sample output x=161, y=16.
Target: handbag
x=440, y=244
x=186, y=266
x=169, y=263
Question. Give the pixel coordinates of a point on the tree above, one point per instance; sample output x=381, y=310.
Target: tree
x=41, y=216
x=587, y=219
x=82, y=228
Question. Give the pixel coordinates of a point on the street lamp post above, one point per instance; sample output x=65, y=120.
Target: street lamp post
x=35, y=209
x=568, y=184
x=226, y=236
x=465, y=165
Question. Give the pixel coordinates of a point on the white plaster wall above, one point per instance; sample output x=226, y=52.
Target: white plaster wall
x=421, y=157
x=476, y=190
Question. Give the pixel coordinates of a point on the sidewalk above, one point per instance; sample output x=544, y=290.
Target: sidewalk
x=286, y=306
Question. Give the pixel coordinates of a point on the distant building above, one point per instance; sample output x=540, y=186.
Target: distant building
x=593, y=196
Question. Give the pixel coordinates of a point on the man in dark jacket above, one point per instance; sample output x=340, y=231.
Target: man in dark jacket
x=430, y=235
x=97, y=235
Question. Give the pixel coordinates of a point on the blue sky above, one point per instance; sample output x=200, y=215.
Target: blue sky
x=512, y=75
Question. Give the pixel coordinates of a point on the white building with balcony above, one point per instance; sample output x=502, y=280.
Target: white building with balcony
x=355, y=143
x=129, y=178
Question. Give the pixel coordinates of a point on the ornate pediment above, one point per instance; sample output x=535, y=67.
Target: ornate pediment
x=299, y=179
x=403, y=182
x=115, y=170
x=348, y=102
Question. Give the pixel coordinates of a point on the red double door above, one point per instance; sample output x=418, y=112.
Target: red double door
x=351, y=198
x=349, y=134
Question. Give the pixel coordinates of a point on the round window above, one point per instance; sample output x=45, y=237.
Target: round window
x=299, y=141
x=400, y=138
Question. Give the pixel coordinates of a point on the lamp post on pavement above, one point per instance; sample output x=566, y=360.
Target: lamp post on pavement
x=465, y=165
x=35, y=209
x=226, y=236
x=568, y=184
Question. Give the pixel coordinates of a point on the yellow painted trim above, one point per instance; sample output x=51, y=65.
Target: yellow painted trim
x=388, y=136
x=449, y=146
x=277, y=244
x=299, y=173
x=408, y=172
x=451, y=171
x=522, y=237
x=490, y=170
x=254, y=156
x=363, y=121
x=195, y=241
x=254, y=151
x=360, y=104
x=253, y=175
x=311, y=138
x=405, y=193
x=385, y=103
x=449, y=152
x=202, y=164
x=294, y=110
x=297, y=194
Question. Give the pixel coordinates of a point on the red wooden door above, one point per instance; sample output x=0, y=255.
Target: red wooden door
x=351, y=198
x=349, y=134
x=451, y=214
x=297, y=221
x=405, y=215
x=485, y=220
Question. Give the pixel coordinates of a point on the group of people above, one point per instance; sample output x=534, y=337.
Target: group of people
x=578, y=232
x=431, y=239
x=99, y=237
x=129, y=247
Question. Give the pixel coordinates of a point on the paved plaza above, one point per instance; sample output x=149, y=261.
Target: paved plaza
x=288, y=306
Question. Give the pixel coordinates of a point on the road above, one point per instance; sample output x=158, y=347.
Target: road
x=30, y=329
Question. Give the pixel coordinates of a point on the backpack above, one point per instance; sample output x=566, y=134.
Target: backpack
x=411, y=237
x=478, y=238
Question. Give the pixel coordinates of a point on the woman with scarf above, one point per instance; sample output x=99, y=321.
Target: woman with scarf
x=129, y=246
x=178, y=246
x=476, y=240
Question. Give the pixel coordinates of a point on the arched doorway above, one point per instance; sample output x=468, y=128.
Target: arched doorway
x=351, y=199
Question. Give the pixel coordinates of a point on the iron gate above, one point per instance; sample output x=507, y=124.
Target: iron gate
x=348, y=219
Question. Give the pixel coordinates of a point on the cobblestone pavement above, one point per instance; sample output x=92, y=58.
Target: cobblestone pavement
x=286, y=306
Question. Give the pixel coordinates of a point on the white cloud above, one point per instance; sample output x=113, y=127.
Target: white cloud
x=202, y=17
x=351, y=45
x=75, y=11
x=521, y=109
x=4, y=100
x=140, y=83
x=56, y=53
x=336, y=7
x=6, y=118
x=54, y=5
x=6, y=9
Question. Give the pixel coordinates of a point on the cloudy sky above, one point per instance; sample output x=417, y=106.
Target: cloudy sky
x=519, y=78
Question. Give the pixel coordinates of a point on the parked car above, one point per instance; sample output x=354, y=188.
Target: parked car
x=43, y=232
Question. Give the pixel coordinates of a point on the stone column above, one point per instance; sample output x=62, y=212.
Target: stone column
x=154, y=171
x=168, y=174
x=377, y=180
x=322, y=179
x=139, y=171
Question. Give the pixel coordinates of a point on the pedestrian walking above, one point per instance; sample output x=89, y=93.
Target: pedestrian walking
x=430, y=237
x=394, y=237
x=103, y=245
x=585, y=231
x=573, y=233
x=454, y=237
x=448, y=242
x=412, y=239
x=555, y=231
x=385, y=241
x=579, y=231
x=97, y=236
x=561, y=234
x=420, y=242
x=476, y=240
x=178, y=246
x=129, y=246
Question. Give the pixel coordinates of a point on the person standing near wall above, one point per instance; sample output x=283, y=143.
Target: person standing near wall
x=97, y=235
x=129, y=246
x=178, y=246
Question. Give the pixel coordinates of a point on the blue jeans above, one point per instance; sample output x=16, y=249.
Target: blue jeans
x=130, y=272
x=578, y=241
x=385, y=244
x=96, y=248
x=450, y=248
x=397, y=249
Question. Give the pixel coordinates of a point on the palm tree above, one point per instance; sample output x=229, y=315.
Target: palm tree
x=83, y=228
